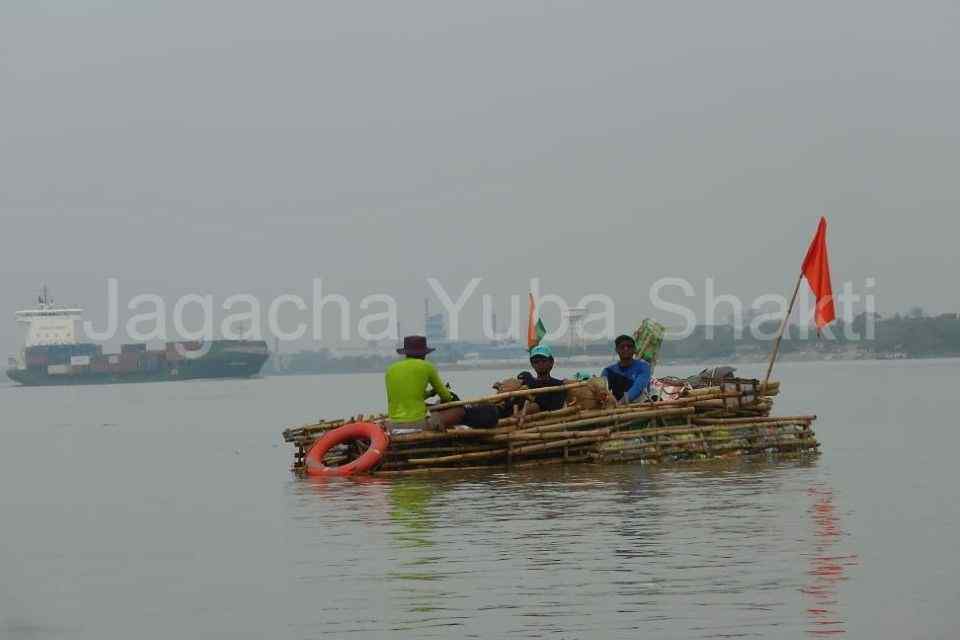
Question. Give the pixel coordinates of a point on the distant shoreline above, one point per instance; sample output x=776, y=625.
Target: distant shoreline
x=600, y=362
x=520, y=364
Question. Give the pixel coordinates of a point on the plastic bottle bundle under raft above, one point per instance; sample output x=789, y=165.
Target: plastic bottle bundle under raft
x=732, y=419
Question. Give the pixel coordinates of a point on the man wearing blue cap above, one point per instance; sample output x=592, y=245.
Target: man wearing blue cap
x=541, y=359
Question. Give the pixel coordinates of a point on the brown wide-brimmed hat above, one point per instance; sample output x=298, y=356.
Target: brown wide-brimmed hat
x=414, y=346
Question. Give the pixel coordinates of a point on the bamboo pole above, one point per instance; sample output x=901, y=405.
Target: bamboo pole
x=594, y=417
x=783, y=326
x=449, y=434
x=773, y=385
x=463, y=457
x=293, y=433
x=520, y=418
x=571, y=442
x=530, y=463
x=543, y=416
x=695, y=400
x=411, y=440
x=403, y=454
x=735, y=421
x=613, y=417
x=481, y=455
x=750, y=439
x=550, y=435
x=497, y=397
x=674, y=431
x=639, y=452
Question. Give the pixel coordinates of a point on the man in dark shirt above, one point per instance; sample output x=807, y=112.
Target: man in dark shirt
x=541, y=359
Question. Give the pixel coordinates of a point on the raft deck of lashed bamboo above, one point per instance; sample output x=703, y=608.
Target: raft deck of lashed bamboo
x=729, y=420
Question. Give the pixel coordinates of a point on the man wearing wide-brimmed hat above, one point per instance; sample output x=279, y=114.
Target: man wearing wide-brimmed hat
x=407, y=382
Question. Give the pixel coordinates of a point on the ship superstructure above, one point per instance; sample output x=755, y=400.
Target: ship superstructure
x=48, y=324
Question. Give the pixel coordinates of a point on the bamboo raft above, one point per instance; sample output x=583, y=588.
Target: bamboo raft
x=732, y=419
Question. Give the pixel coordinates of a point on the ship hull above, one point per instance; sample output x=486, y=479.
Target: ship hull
x=230, y=361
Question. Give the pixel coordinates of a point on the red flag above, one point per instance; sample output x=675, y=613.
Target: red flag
x=816, y=269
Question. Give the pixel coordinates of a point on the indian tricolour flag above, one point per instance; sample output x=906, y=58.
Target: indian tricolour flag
x=535, y=328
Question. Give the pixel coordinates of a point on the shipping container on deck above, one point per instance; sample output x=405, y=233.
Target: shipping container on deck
x=171, y=352
x=37, y=358
x=57, y=354
x=154, y=361
x=58, y=370
x=133, y=348
x=129, y=362
x=85, y=349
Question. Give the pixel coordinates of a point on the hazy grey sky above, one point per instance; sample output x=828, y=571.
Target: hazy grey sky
x=238, y=146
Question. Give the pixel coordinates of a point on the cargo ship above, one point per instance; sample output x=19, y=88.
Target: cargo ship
x=52, y=355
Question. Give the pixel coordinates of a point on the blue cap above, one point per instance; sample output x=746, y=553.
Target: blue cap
x=541, y=350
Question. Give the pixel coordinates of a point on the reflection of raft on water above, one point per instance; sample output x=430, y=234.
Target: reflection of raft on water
x=729, y=420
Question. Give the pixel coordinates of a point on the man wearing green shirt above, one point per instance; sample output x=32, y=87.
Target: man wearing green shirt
x=407, y=382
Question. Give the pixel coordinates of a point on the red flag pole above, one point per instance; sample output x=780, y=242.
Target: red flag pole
x=783, y=326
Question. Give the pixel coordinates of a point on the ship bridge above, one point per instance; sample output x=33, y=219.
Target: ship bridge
x=48, y=323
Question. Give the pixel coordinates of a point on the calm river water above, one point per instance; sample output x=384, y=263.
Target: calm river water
x=168, y=510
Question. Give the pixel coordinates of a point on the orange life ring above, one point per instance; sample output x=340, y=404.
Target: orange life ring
x=353, y=431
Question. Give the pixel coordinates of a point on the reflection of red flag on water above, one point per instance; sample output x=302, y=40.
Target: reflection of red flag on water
x=816, y=269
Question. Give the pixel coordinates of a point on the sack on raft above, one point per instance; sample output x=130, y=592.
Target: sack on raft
x=591, y=396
